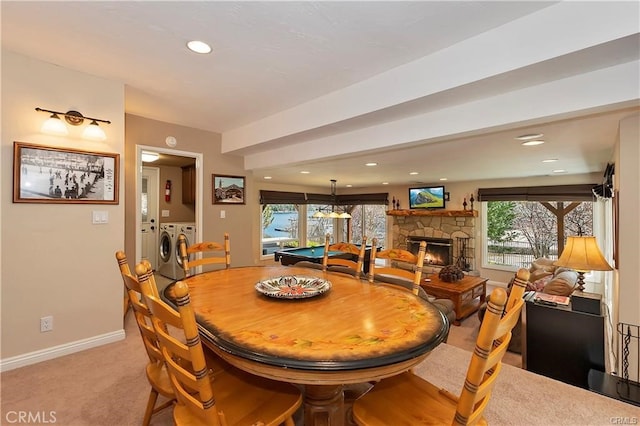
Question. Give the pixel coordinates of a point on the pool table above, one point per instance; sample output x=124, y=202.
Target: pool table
x=315, y=254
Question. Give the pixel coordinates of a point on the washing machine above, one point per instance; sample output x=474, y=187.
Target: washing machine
x=167, y=257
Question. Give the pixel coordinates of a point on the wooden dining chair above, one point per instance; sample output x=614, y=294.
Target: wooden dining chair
x=410, y=399
x=210, y=251
x=233, y=397
x=396, y=275
x=156, y=372
x=124, y=269
x=347, y=266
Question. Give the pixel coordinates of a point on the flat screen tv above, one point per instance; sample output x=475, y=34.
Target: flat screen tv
x=427, y=197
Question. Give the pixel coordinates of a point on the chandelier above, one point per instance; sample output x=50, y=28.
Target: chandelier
x=333, y=214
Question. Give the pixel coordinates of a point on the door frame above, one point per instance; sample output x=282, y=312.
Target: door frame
x=198, y=156
x=155, y=171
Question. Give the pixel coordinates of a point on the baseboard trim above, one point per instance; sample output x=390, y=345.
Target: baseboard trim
x=491, y=283
x=60, y=350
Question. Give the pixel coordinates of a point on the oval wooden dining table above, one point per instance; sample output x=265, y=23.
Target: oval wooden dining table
x=354, y=333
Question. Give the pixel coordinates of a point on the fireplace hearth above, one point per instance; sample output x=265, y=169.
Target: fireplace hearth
x=439, y=250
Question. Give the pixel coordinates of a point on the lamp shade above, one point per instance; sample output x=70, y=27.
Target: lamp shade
x=582, y=254
x=94, y=132
x=54, y=126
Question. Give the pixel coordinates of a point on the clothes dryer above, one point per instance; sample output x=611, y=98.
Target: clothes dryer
x=188, y=229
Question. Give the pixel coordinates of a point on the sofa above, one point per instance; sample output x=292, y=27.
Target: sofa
x=548, y=278
x=544, y=277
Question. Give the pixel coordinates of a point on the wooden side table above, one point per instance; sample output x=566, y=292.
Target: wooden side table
x=467, y=294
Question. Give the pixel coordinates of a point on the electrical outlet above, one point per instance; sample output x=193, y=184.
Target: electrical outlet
x=46, y=324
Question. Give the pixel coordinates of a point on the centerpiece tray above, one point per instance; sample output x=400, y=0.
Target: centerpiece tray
x=293, y=287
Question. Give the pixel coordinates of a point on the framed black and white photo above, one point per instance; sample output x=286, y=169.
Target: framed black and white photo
x=44, y=174
x=228, y=189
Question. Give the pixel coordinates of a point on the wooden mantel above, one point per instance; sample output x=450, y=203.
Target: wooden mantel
x=441, y=213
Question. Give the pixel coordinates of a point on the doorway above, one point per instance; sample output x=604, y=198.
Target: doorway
x=149, y=191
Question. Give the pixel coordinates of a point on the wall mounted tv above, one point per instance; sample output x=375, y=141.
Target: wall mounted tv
x=427, y=197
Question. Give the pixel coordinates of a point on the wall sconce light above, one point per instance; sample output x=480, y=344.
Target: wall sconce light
x=55, y=126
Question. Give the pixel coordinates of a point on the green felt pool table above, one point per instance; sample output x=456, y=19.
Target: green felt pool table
x=314, y=254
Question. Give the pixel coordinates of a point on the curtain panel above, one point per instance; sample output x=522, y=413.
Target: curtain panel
x=283, y=197
x=580, y=192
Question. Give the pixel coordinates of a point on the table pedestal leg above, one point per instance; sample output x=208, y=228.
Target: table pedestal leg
x=323, y=405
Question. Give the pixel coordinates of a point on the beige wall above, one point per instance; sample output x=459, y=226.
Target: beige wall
x=238, y=220
x=54, y=260
x=178, y=212
x=627, y=175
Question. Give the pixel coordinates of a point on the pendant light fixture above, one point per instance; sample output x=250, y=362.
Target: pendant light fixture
x=334, y=200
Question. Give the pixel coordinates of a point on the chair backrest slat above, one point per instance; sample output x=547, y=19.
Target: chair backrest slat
x=209, y=250
x=398, y=255
x=354, y=266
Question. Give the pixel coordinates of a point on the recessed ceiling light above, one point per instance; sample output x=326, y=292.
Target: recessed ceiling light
x=371, y=164
x=532, y=143
x=385, y=183
x=267, y=177
x=559, y=171
x=529, y=136
x=305, y=172
x=443, y=178
x=550, y=160
x=199, y=46
x=413, y=173
x=349, y=186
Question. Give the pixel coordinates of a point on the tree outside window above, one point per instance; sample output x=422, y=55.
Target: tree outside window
x=520, y=231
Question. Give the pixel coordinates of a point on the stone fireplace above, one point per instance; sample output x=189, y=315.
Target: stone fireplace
x=456, y=227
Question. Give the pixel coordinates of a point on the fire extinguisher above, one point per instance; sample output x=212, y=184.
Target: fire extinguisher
x=167, y=191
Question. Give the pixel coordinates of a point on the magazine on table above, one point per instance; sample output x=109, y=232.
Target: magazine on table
x=551, y=298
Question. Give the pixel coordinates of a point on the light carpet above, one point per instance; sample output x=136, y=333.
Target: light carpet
x=524, y=398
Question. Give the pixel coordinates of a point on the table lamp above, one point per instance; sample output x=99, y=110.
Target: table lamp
x=581, y=253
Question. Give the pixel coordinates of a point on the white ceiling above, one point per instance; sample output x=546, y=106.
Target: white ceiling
x=288, y=77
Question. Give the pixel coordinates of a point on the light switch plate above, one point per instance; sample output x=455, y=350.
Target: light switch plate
x=100, y=217
x=223, y=214
x=165, y=213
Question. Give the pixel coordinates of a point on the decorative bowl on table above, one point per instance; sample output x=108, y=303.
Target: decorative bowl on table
x=293, y=287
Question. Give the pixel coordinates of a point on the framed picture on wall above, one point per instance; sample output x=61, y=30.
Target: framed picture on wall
x=44, y=174
x=228, y=189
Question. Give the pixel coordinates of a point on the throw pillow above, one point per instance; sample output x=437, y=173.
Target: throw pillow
x=542, y=264
x=539, y=284
x=569, y=275
x=559, y=286
x=539, y=274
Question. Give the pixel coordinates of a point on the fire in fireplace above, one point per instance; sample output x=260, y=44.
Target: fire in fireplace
x=439, y=250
